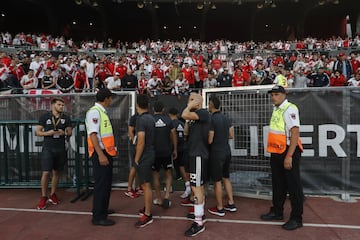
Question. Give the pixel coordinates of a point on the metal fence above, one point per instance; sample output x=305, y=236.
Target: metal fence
x=330, y=130
x=20, y=148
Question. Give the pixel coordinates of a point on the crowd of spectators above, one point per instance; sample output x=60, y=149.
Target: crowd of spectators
x=175, y=68
x=49, y=42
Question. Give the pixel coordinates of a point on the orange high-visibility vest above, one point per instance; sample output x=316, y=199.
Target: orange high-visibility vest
x=106, y=134
x=277, y=133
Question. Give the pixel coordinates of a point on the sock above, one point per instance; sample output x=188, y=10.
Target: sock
x=187, y=187
x=199, y=212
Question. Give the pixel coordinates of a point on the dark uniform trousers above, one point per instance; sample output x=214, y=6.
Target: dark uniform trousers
x=102, y=187
x=287, y=181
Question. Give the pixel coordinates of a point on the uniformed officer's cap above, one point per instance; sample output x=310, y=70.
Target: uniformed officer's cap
x=277, y=89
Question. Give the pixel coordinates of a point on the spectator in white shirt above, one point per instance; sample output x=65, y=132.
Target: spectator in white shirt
x=113, y=82
x=29, y=81
x=154, y=85
x=300, y=79
x=355, y=81
x=181, y=86
x=90, y=70
x=210, y=82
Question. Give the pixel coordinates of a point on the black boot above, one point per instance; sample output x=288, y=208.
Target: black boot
x=272, y=215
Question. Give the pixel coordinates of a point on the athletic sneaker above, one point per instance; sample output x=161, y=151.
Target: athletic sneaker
x=131, y=194
x=187, y=203
x=53, y=199
x=42, y=203
x=166, y=203
x=186, y=194
x=139, y=191
x=194, y=230
x=192, y=217
x=216, y=211
x=142, y=211
x=144, y=220
x=157, y=201
x=230, y=207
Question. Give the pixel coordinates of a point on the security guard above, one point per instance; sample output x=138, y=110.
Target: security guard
x=101, y=146
x=285, y=147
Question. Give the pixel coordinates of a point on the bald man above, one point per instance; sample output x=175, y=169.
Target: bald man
x=198, y=120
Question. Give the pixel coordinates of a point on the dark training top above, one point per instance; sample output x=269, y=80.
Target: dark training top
x=163, y=127
x=132, y=123
x=132, y=120
x=199, y=134
x=179, y=127
x=220, y=124
x=49, y=122
x=146, y=123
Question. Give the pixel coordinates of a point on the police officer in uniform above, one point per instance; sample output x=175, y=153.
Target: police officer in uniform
x=285, y=147
x=102, y=149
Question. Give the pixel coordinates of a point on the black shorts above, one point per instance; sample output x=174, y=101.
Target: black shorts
x=162, y=162
x=197, y=170
x=144, y=170
x=132, y=152
x=182, y=159
x=219, y=165
x=53, y=159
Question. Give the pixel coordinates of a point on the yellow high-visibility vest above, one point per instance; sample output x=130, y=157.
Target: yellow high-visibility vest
x=277, y=133
x=282, y=81
x=106, y=134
